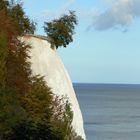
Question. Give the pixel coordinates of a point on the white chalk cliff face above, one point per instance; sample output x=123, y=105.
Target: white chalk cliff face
x=47, y=63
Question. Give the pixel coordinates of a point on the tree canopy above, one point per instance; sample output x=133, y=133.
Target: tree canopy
x=17, y=15
x=28, y=108
x=61, y=30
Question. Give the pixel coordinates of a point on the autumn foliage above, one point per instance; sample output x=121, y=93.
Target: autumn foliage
x=28, y=108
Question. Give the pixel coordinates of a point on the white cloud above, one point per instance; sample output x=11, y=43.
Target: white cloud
x=120, y=13
x=49, y=14
x=86, y=13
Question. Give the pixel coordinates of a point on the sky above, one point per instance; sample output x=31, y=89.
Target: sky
x=106, y=45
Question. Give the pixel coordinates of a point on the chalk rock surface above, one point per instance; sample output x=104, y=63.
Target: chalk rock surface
x=46, y=62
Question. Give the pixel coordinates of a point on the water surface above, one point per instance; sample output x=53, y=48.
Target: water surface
x=110, y=112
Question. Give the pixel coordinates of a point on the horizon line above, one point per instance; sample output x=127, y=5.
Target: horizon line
x=106, y=83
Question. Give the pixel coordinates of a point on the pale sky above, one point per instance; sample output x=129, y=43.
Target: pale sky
x=106, y=46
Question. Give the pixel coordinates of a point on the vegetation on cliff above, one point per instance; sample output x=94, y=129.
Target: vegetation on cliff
x=28, y=108
x=61, y=30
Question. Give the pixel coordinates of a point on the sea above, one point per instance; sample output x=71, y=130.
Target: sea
x=110, y=111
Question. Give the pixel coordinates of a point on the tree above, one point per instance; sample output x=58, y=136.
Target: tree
x=38, y=101
x=17, y=16
x=7, y=32
x=4, y=4
x=28, y=130
x=22, y=22
x=11, y=112
x=28, y=108
x=61, y=30
x=18, y=68
x=15, y=69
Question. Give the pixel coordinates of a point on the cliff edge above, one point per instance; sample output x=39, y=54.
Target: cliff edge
x=47, y=63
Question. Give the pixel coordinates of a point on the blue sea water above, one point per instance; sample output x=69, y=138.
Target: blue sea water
x=110, y=111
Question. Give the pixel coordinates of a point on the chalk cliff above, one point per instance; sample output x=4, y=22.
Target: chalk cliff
x=46, y=62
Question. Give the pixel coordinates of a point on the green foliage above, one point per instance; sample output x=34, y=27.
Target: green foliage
x=28, y=108
x=18, y=68
x=22, y=22
x=3, y=58
x=38, y=101
x=4, y=4
x=24, y=130
x=62, y=29
x=17, y=15
x=27, y=130
x=3, y=40
x=11, y=112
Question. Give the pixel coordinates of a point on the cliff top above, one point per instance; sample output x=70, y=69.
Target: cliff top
x=43, y=38
x=40, y=37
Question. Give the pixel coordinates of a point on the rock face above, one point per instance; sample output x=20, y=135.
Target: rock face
x=47, y=63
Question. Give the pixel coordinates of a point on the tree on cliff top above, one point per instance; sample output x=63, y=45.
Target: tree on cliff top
x=61, y=30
